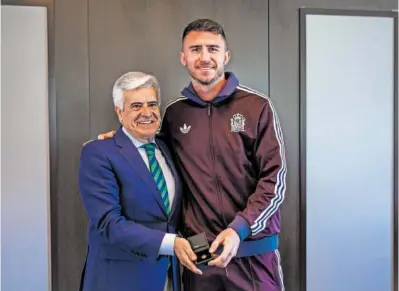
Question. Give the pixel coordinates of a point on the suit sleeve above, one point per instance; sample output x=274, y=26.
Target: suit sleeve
x=269, y=193
x=100, y=194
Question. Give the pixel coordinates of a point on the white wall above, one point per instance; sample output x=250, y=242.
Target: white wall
x=25, y=241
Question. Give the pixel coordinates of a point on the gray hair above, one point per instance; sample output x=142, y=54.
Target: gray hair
x=132, y=81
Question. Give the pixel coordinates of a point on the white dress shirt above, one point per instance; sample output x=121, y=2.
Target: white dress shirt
x=169, y=238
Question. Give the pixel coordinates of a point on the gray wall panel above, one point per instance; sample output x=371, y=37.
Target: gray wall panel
x=72, y=75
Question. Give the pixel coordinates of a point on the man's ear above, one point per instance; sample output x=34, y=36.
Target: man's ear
x=119, y=113
x=182, y=59
x=227, y=56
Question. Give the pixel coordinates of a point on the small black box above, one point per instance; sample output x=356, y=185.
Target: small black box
x=200, y=246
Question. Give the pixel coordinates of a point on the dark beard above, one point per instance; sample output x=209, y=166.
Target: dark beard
x=210, y=82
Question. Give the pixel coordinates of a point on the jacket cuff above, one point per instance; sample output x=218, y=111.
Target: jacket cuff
x=241, y=226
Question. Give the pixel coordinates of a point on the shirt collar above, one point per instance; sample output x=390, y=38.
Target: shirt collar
x=137, y=143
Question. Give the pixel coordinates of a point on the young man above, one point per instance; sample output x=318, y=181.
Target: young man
x=229, y=147
x=230, y=150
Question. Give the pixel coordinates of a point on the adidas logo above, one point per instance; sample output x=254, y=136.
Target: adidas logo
x=185, y=129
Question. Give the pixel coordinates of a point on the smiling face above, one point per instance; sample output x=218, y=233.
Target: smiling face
x=205, y=56
x=140, y=116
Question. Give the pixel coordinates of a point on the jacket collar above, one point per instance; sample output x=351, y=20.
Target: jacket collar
x=226, y=92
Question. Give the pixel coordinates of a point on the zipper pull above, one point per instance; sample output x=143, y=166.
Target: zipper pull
x=209, y=109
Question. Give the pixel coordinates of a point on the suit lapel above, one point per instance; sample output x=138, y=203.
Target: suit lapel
x=169, y=160
x=132, y=156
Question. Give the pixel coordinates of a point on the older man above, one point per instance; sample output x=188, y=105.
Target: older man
x=132, y=194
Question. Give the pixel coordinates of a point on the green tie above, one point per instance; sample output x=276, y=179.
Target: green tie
x=157, y=174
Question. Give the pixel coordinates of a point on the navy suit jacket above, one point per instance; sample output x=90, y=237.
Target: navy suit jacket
x=127, y=218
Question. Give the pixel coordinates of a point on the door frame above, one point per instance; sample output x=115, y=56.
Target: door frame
x=303, y=12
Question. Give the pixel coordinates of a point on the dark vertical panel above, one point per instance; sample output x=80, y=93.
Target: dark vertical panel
x=396, y=160
x=146, y=35
x=284, y=93
x=302, y=152
x=71, y=51
x=284, y=89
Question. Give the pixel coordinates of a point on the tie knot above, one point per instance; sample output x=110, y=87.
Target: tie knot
x=149, y=148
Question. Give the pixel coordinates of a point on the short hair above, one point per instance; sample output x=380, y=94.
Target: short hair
x=204, y=25
x=133, y=81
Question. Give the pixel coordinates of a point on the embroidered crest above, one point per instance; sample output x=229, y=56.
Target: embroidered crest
x=237, y=123
x=185, y=129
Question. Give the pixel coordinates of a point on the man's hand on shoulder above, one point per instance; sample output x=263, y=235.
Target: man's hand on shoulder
x=185, y=254
x=106, y=135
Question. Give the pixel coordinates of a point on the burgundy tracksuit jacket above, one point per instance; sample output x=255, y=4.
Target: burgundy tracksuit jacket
x=231, y=155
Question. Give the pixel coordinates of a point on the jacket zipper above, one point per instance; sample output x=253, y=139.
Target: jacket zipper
x=213, y=165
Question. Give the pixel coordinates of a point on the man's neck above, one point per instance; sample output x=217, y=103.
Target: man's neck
x=209, y=92
x=141, y=139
